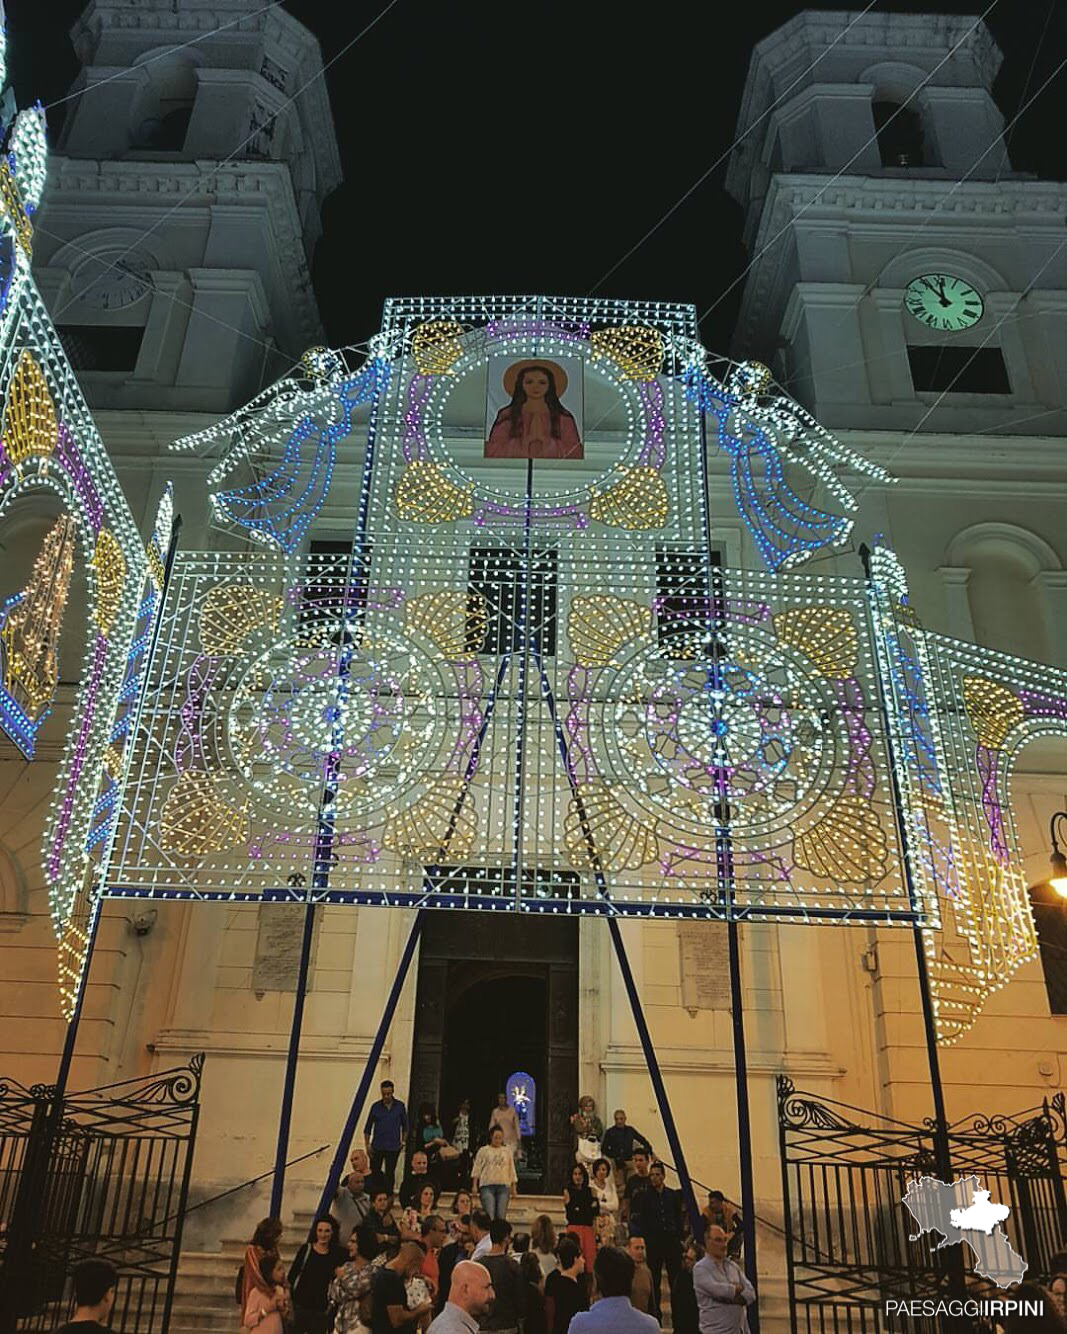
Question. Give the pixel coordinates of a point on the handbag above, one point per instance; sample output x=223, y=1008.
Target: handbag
x=588, y=1150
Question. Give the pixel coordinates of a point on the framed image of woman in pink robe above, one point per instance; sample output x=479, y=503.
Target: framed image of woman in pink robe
x=535, y=423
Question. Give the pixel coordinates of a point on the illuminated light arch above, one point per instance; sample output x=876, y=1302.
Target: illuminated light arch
x=48, y=443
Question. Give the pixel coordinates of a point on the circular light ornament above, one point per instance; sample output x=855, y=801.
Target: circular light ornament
x=362, y=715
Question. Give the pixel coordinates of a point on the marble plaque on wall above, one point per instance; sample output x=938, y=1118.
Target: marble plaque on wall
x=278, y=941
x=705, y=953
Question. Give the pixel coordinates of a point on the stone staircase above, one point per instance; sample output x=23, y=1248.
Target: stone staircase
x=203, y=1299
x=203, y=1296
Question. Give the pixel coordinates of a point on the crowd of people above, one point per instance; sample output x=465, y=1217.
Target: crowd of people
x=438, y=1253
x=411, y=1262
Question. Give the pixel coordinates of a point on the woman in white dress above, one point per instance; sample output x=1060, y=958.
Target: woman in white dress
x=506, y=1117
x=607, y=1197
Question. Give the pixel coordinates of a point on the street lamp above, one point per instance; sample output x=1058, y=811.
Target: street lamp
x=1058, y=879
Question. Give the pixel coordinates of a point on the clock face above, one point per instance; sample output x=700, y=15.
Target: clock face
x=110, y=281
x=943, y=301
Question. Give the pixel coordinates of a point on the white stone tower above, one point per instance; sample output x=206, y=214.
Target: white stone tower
x=874, y=158
x=183, y=203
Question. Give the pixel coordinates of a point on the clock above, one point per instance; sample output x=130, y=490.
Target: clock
x=110, y=280
x=943, y=301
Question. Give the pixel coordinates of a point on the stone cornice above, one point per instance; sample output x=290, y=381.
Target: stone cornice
x=1020, y=462
x=203, y=184
x=625, y=1058
x=219, y=1042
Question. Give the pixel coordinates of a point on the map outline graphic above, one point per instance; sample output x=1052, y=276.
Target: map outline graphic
x=963, y=1212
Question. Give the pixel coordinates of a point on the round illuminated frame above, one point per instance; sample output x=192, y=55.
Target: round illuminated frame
x=426, y=431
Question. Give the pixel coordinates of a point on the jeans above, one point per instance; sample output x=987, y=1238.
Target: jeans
x=495, y=1200
x=384, y=1161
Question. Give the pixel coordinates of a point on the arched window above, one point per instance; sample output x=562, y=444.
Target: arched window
x=1038, y=789
x=900, y=133
x=164, y=107
x=1050, y=920
x=1007, y=607
x=12, y=889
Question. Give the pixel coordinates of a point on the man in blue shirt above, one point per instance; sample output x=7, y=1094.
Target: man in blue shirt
x=387, y=1123
x=613, y=1313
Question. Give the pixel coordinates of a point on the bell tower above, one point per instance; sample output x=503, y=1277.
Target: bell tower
x=184, y=203
x=902, y=271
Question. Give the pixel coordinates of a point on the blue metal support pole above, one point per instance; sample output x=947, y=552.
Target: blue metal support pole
x=726, y=882
x=373, y=1056
x=71, y=1037
x=660, y=1089
x=289, y=1088
x=744, y=1137
x=353, y=604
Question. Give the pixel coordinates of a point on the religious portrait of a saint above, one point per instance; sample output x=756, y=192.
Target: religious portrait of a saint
x=535, y=422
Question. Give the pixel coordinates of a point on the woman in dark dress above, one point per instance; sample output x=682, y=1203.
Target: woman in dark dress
x=534, y=1282
x=581, y=1206
x=316, y=1263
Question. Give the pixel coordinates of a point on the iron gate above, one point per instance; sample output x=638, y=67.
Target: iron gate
x=102, y=1174
x=849, y=1236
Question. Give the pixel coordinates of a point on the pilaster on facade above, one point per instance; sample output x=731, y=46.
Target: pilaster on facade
x=954, y=580
x=1052, y=588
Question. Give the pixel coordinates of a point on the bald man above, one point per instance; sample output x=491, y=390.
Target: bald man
x=470, y=1296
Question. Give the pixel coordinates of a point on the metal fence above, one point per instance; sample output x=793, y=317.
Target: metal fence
x=852, y=1244
x=105, y=1174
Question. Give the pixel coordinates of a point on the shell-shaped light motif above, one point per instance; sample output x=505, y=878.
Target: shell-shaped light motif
x=456, y=620
x=600, y=832
x=599, y=624
x=992, y=710
x=637, y=349
x=14, y=206
x=30, y=423
x=109, y=566
x=441, y=826
x=230, y=612
x=196, y=819
x=436, y=346
x=848, y=843
x=826, y=635
x=637, y=501
x=425, y=495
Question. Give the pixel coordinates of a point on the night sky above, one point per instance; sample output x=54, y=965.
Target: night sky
x=490, y=146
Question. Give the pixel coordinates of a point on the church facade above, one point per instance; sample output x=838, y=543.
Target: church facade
x=907, y=288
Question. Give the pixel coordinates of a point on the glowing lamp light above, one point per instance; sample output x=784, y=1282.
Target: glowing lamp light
x=1058, y=879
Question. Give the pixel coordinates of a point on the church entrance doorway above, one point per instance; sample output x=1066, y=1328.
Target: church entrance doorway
x=498, y=998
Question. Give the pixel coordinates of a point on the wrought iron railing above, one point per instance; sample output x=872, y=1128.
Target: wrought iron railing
x=851, y=1242
x=102, y=1173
